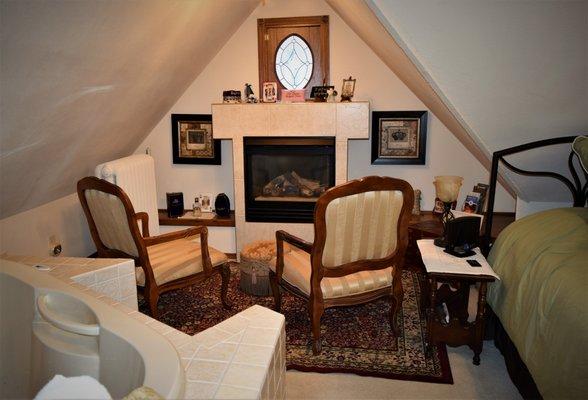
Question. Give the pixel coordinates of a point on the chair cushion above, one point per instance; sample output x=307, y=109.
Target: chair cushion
x=297, y=270
x=177, y=259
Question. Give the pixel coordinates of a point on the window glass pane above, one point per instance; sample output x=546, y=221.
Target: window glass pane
x=294, y=63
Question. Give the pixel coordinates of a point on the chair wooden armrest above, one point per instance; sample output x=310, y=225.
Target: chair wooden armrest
x=281, y=237
x=186, y=233
x=144, y=218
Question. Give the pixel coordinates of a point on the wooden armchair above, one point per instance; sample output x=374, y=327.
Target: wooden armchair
x=164, y=262
x=360, y=237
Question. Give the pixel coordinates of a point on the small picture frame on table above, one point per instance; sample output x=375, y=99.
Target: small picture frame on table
x=270, y=92
x=192, y=140
x=399, y=137
x=206, y=202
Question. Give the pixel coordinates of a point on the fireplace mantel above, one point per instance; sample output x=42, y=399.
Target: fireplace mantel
x=342, y=120
x=234, y=121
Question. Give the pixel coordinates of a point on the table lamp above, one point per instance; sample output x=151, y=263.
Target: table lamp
x=447, y=190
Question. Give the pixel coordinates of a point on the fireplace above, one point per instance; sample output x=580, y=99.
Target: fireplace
x=284, y=176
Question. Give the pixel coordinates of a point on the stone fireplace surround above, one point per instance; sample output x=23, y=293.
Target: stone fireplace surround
x=343, y=121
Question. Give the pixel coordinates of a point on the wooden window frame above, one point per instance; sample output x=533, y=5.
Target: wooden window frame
x=322, y=21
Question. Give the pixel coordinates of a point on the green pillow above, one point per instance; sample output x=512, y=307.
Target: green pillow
x=580, y=147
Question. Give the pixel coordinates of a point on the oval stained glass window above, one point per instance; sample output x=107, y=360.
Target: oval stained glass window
x=294, y=62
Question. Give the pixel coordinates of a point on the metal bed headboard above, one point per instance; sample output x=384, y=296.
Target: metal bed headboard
x=579, y=192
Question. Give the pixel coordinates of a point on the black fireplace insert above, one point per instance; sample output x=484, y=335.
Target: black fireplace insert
x=284, y=176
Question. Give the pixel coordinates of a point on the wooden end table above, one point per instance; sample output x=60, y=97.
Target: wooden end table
x=455, y=279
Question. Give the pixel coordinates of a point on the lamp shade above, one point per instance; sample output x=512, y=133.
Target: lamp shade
x=447, y=187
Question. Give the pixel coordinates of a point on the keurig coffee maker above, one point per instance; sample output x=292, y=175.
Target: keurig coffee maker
x=222, y=205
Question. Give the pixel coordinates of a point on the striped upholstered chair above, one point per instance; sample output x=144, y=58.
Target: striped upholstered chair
x=164, y=262
x=360, y=237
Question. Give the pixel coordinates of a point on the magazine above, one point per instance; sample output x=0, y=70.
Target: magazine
x=471, y=202
x=481, y=188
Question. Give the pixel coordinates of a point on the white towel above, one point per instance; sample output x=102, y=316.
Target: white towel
x=77, y=387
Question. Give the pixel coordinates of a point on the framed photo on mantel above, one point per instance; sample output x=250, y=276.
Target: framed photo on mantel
x=192, y=141
x=399, y=137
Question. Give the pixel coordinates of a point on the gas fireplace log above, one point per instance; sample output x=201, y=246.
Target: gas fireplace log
x=292, y=184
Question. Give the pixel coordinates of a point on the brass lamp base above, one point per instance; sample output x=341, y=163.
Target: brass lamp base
x=445, y=218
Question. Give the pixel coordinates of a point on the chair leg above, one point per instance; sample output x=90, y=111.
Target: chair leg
x=316, y=310
x=225, y=272
x=152, y=297
x=276, y=291
x=396, y=299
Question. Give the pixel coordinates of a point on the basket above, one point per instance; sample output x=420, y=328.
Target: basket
x=254, y=267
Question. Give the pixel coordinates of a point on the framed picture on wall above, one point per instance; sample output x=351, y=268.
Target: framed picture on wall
x=192, y=140
x=399, y=137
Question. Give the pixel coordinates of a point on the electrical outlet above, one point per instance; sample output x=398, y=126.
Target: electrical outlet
x=55, y=247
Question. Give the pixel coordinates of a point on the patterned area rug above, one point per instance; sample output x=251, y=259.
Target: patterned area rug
x=355, y=339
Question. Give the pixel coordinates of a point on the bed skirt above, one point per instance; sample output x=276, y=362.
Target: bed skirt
x=517, y=370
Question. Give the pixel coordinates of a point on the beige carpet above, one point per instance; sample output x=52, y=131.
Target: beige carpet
x=487, y=381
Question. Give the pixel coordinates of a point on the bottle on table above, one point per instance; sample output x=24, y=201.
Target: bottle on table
x=197, y=208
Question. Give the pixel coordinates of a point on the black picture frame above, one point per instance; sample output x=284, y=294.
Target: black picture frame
x=413, y=150
x=320, y=92
x=210, y=154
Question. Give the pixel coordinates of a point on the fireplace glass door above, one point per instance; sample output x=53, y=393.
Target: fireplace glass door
x=285, y=176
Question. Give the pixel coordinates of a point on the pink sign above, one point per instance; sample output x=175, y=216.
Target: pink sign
x=292, y=96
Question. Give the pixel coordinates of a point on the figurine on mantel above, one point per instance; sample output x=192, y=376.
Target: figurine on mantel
x=249, y=95
x=331, y=95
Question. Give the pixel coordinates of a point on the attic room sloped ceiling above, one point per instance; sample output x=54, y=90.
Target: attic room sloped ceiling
x=85, y=82
x=513, y=71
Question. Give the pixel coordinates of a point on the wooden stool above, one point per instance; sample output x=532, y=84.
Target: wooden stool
x=254, y=266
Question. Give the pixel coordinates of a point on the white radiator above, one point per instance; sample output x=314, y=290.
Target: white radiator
x=136, y=176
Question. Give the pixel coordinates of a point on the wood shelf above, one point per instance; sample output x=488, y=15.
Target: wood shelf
x=429, y=225
x=216, y=221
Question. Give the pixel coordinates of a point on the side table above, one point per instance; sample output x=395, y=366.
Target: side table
x=455, y=277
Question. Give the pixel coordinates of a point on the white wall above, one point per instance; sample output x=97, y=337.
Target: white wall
x=525, y=208
x=237, y=64
x=28, y=233
x=515, y=71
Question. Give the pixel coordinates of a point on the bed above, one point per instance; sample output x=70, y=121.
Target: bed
x=539, y=308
